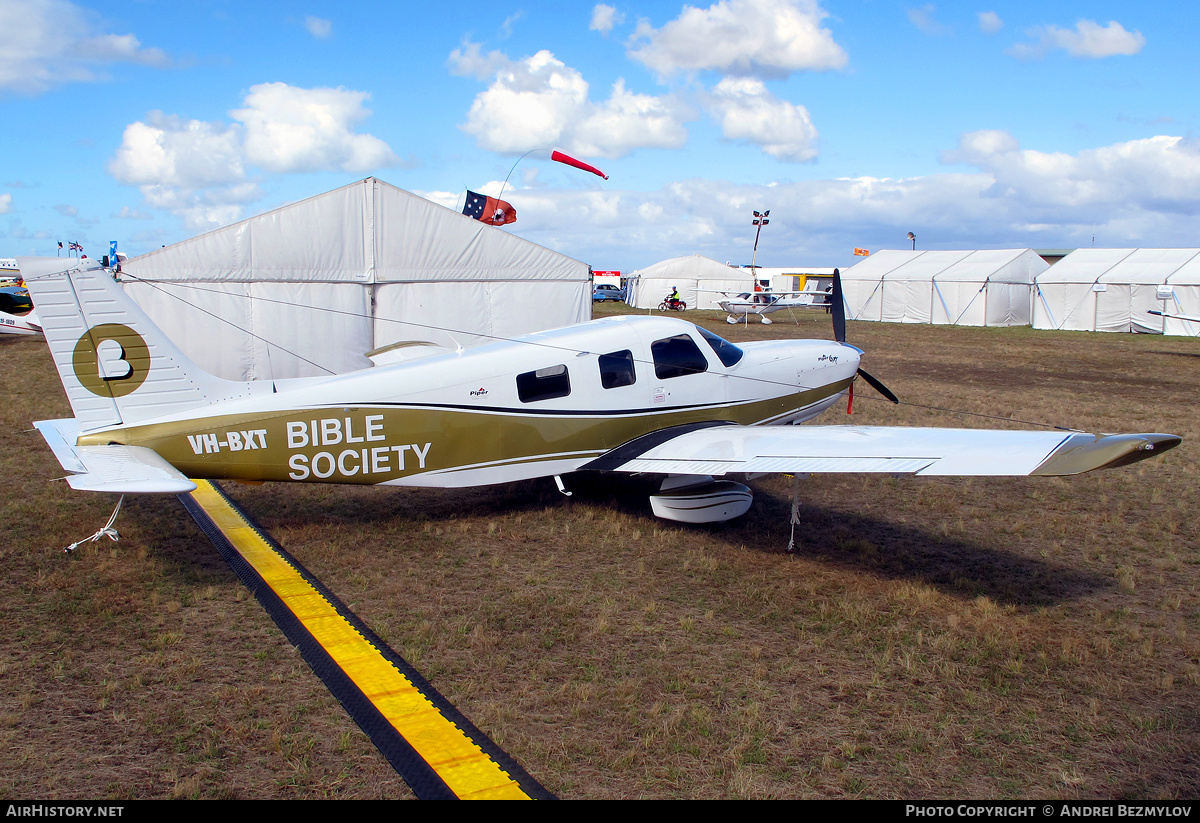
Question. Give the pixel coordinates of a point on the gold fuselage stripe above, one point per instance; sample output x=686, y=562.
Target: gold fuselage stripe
x=375, y=443
x=458, y=761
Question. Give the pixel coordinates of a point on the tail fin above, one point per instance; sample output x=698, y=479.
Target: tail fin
x=118, y=367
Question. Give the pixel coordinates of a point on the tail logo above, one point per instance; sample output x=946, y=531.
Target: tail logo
x=111, y=360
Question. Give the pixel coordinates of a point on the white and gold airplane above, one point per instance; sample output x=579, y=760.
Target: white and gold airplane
x=632, y=394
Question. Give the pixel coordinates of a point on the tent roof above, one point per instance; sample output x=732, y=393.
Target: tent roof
x=966, y=266
x=1136, y=266
x=692, y=267
x=366, y=232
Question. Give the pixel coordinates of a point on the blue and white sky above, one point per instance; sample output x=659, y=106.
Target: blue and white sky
x=993, y=125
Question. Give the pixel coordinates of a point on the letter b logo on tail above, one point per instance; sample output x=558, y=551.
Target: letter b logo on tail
x=111, y=360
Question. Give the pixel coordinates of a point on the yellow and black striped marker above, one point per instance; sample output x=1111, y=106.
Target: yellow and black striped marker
x=438, y=752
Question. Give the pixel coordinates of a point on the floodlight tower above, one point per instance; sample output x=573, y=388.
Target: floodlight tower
x=759, y=221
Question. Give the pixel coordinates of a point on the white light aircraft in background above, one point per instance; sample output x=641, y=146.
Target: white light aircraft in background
x=630, y=394
x=740, y=306
x=27, y=323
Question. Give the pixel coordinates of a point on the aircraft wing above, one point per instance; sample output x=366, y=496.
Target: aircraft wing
x=725, y=449
x=118, y=469
x=1187, y=317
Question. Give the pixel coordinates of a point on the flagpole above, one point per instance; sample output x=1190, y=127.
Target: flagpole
x=514, y=168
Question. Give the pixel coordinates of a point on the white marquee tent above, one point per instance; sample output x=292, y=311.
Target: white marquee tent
x=697, y=278
x=988, y=287
x=311, y=287
x=1113, y=289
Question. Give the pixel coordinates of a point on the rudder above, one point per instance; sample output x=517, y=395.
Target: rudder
x=117, y=367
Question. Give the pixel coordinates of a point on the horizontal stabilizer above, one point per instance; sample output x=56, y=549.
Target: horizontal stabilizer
x=720, y=450
x=118, y=469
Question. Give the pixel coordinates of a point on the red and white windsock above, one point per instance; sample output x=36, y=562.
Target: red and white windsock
x=562, y=157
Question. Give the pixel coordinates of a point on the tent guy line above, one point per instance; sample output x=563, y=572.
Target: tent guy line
x=525, y=341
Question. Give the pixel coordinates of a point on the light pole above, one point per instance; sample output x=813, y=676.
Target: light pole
x=760, y=220
x=913, y=238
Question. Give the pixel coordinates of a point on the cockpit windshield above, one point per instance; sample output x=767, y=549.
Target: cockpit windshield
x=726, y=351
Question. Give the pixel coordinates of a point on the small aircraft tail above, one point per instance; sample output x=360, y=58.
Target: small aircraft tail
x=117, y=367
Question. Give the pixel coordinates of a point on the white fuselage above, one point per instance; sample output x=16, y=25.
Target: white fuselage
x=542, y=404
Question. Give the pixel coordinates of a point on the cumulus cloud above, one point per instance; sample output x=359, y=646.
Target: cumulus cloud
x=127, y=213
x=289, y=129
x=990, y=22
x=627, y=121
x=5, y=203
x=1155, y=174
x=1139, y=193
x=604, y=18
x=924, y=20
x=764, y=38
x=53, y=42
x=506, y=28
x=200, y=170
x=747, y=111
x=1087, y=39
x=202, y=209
x=539, y=101
x=530, y=103
x=168, y=150
x=318, y=28
x=469, y=61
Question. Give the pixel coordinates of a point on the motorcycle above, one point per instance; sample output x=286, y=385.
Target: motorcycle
x=671, y=304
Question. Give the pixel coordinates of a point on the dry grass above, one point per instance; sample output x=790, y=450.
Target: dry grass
x=934, y=637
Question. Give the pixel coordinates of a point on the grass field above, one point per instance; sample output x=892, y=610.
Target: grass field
x=933, y=637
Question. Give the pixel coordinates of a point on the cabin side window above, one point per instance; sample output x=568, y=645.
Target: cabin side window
x=616, y=369
x=543, y=384
x=677, y=356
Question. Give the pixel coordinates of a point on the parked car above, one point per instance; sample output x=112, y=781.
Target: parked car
x=607, y=291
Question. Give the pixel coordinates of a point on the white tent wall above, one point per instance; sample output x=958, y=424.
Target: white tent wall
x=1132, y=289
x=697, y=278
x=1185, y=299
x=318, y=279
x=1065, y=294
x=989, y=287
x=908, y=289
x=1114, y=289
x=228, y=325
x=410, y=311
x=862, y=284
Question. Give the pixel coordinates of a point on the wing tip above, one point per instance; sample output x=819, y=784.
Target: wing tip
x=1088, y=452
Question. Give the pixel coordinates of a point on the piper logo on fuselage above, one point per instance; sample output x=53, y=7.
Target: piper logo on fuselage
x=332, y=431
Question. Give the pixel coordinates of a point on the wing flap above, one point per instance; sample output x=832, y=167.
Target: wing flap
x=721, y=450
x=118, y=469
x=776, y=463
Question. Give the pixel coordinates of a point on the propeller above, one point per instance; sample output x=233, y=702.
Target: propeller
x=839, y=334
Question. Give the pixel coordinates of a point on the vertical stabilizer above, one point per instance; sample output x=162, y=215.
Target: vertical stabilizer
x=118, y=367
